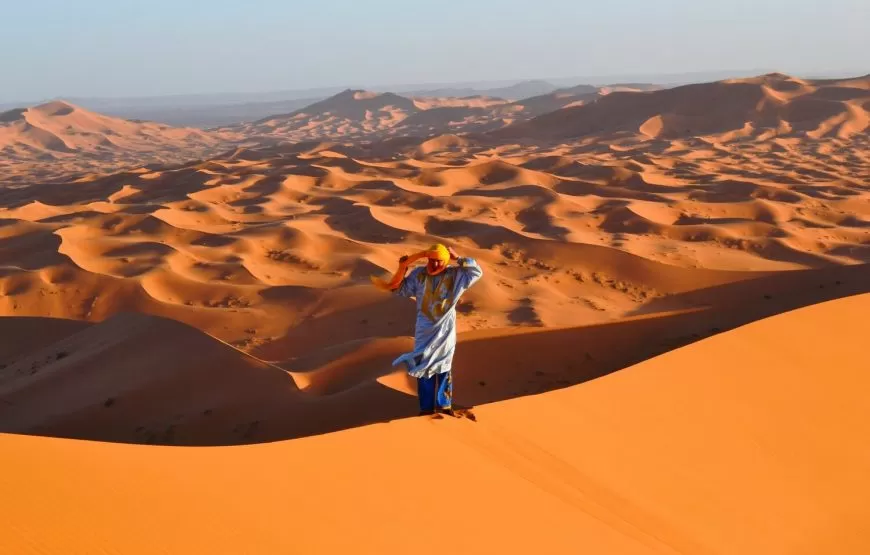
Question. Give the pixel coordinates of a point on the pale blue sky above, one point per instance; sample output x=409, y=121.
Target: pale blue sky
x=57, y=48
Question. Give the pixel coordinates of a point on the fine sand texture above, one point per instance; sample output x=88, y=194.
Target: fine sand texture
x=752, y=441
x=665, y=353
x=270, y=249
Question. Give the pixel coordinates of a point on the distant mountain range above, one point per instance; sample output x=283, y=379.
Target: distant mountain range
x=222, y=109
x=760, y=108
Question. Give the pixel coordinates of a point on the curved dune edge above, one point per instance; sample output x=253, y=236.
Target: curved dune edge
x=226, y=301
x=568, y=234
x=757, y=429
x=57, y=140
x=575, y=223
x=137, y=378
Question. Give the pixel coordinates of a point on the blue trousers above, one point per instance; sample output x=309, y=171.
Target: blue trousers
x=436, y=391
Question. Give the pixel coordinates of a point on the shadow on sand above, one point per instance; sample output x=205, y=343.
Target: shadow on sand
x=141, y=379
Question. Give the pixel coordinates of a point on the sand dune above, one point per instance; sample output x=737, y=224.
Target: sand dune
x=755, y=430
x=225, y=300
x=359, y=114
x=767, y=106
x=58, y=138
x=134, y=378
x=349, y=113
x=142, y=379
x=247, y=246
x=727, y=110
x=573, y=96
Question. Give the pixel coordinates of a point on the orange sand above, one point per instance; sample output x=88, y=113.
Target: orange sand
x=57, y=139
x=753, y=441
x=219, y=296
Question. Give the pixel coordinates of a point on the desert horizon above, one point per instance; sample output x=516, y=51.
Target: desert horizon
x=659, y=278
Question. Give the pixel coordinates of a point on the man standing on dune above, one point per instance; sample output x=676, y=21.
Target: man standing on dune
x=437, y=288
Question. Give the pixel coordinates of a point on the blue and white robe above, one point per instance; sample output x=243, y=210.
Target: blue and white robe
x=435, y=333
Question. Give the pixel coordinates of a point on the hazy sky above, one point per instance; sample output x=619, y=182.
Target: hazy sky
x=56, y=48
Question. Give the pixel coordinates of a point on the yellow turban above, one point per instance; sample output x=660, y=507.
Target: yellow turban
x=439, y=252
x=435, y=252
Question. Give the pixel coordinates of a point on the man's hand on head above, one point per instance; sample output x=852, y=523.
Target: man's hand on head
x=453, y=255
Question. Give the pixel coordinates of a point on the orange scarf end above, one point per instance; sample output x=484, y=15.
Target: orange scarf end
x=397, y=278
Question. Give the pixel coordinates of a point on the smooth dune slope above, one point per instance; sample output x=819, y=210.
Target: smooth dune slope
x=768, y=105
x=752, y=441
x=56, y=139
x=137, y=378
